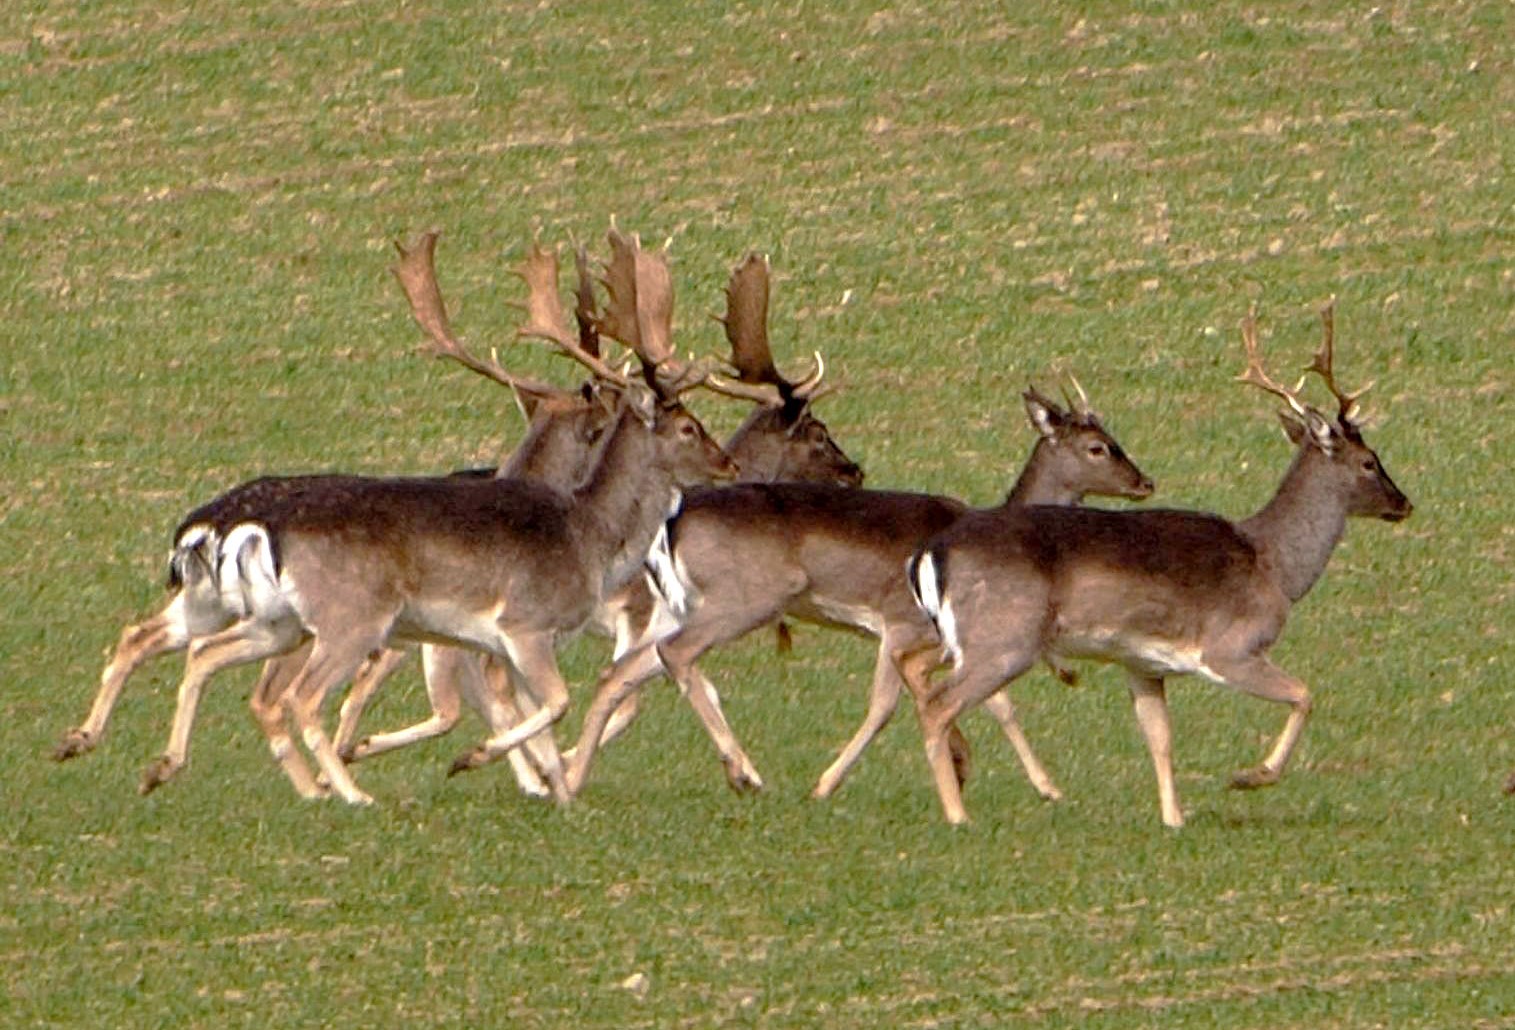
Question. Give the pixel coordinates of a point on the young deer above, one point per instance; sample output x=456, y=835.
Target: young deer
x=1160, y=593
x=781, y=440
x=735, y=558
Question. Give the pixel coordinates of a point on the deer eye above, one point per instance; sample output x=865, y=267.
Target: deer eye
x=1369, y=465
x=687, y=431
x=1098, y=450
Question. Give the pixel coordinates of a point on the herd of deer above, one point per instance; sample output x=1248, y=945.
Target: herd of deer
x=605, y=517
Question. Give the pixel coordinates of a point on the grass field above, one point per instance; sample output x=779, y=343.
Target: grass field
x=196, y=210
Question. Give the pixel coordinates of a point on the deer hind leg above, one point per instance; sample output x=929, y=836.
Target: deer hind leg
x=243, y=642
x=617, y=686
x=915, y=667
x=1261, y=678
x=371, y=675
x=1149, y=699
x=164, y=632
x=268, y=709
x=972, y=680
x=534, y=663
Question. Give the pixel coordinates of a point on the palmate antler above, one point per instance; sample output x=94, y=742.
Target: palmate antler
x=746, y=324
x=545, y=319
x=417, y=275
x=639, y=315
x=1347, y=406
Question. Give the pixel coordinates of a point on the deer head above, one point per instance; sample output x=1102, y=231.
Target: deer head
x=1076, y=455
x=1333, y=447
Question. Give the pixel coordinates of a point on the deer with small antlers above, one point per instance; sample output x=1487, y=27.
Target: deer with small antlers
x=1160, y=593
x=735, y=558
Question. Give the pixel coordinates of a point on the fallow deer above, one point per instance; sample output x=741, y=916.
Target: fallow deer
x=1160, y=593
x=734, y=558
x=781, y=440
x=500, y=565
x=564, y=426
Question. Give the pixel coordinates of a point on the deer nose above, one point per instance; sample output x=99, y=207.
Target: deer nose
x=1143, y=489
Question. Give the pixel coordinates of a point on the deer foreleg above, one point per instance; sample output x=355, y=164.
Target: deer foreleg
x=370, y=676
x=534, y=662
x=1150, y=701
x=883, y=698
x=1000, y=706
x=1261, y=678
x=617, y=685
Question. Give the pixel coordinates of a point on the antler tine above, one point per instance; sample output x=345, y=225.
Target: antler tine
x=544, y=313
x=1254, y=373
x=585, y=309
x=417, y=275
x=1079, y=405
x=1322, y=364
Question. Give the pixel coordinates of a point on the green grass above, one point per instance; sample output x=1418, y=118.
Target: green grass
x=196, y=208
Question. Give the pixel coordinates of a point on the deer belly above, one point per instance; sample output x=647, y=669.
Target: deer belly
x=1145, y=656
x=831, y=612
x=441, y=622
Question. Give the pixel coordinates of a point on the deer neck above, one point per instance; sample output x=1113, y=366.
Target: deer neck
x=1299, y=527
x=623, y=501
x=1040, y=483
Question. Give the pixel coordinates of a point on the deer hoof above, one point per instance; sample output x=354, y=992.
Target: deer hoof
x=1509, y=784
x=74, y=743
x=350, y=753
x=465, y=762
x=157, y=773
x=1252, y=779
x=743, y=779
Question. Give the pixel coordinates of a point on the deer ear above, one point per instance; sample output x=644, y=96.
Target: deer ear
x=1322, y=435
x=1046, y=417
x=527, y=399
x=1294, y=429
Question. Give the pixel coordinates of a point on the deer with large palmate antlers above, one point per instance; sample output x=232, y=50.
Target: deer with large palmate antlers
x=503, y=566
x=1160, y=593
x=781, y=440
x=563, y=427
x=735, y=558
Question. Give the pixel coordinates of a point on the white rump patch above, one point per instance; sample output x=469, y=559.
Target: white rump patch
x=245, y=573
x=669, y=577
x=927, y=588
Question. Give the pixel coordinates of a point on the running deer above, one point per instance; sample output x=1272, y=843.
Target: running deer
x=563, y=427
x=500, y=565
x=735, y=558
x=1160, y=593
x=781, y=440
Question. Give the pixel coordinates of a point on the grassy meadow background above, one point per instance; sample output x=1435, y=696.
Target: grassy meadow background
x=197, y=204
